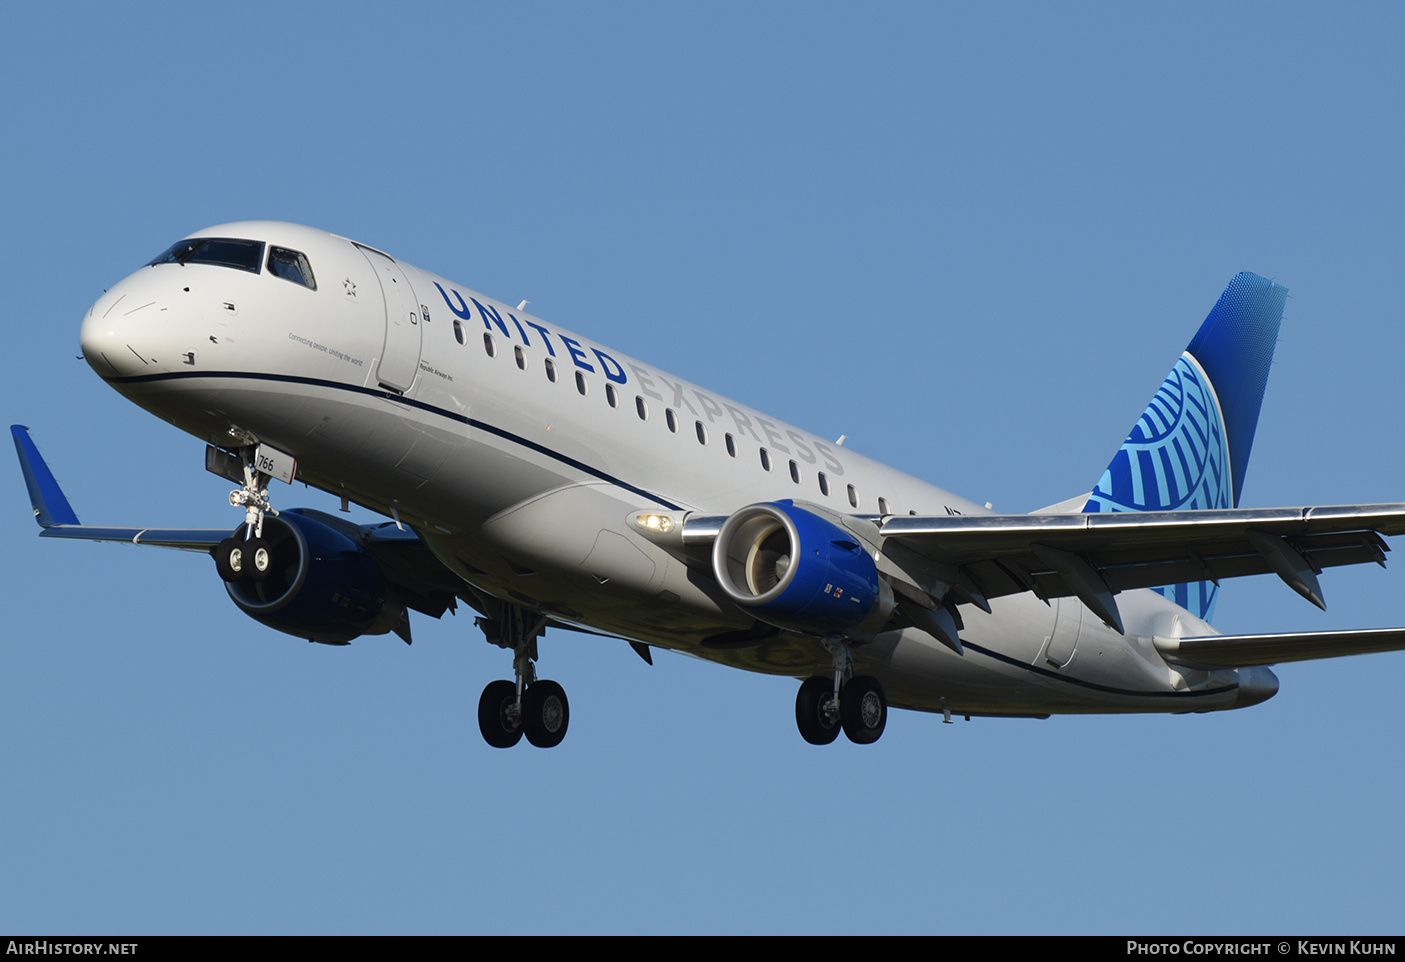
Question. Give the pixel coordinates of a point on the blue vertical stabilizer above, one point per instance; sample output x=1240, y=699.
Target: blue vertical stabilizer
x=1189, y=449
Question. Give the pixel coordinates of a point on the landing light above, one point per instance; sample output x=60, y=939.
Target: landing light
x=655, y=522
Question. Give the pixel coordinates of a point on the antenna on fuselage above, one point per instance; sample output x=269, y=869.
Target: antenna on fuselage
x=523, y=305
x=842, y=439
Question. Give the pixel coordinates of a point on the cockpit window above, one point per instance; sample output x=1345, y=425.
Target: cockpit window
x=243, y=255
x=291, y=266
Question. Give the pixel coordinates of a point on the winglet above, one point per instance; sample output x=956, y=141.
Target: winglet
x=50, y=506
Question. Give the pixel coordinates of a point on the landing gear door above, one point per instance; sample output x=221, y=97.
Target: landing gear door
x=400, y=359
x=1068, y=624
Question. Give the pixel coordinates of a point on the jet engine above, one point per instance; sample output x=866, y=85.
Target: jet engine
x=798, y=571
x=307, y=578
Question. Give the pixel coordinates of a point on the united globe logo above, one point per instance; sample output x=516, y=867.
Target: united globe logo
x=1175, y=459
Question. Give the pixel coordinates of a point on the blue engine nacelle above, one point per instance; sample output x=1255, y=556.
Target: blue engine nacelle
x=796, y=570
x=321, y=584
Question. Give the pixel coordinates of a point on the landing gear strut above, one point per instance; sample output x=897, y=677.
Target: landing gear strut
x=527, y=706
x=253, y=496
x=825, y=705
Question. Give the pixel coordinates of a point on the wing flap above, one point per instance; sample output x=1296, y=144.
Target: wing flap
x=1243, y=651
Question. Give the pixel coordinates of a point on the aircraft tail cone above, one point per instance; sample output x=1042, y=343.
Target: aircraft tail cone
x=1256, y=685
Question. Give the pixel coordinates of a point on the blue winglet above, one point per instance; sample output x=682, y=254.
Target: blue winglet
x=50, y=506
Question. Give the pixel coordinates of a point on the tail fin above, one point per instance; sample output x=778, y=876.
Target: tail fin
x=1190, y=448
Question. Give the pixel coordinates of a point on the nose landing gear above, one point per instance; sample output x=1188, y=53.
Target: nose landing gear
x=248, y=558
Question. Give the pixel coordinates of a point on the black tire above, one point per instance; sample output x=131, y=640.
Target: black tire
x=545, y=714
x=815, y=726
x=223, y=567
x=863, y=708
x=497, y=726
x=258, y=559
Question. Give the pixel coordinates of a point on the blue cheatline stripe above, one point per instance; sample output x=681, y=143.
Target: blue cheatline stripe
x=408, y=402
x=1094, y=686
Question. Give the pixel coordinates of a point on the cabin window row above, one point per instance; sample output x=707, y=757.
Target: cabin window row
x=641, y=407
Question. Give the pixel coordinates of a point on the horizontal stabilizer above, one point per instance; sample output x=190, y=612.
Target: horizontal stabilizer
x=1243, y=651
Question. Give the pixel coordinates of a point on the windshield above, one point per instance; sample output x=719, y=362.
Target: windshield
x=244, y=255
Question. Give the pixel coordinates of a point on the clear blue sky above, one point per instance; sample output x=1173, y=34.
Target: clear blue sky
x=973, y=238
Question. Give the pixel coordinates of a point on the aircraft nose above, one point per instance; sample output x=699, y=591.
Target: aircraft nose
x=120, y=334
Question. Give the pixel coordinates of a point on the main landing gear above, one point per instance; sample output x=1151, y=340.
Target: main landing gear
x=527, y=706
x=824, y=705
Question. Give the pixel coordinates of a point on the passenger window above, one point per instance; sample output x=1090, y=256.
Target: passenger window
x=824, y=484
x=853, y=496
x=795, y=472
x=580, y=384
x=765, y=459
x=731, y=446
x=672, y=421
x=641, y=407
x=489, y=346
x=702, y=432
x=610, y=395
x=517, y=352
x=291, y=266
x=551, y=370
x=883, y=506
x=458, y=332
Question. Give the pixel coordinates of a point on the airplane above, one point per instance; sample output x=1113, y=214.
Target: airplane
x=548, y=481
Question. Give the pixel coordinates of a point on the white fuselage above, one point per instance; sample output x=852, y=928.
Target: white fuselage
x=520, y=452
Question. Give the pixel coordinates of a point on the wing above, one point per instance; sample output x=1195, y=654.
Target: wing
x=58, y=519
x=1094, y=556
x=406, y=562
